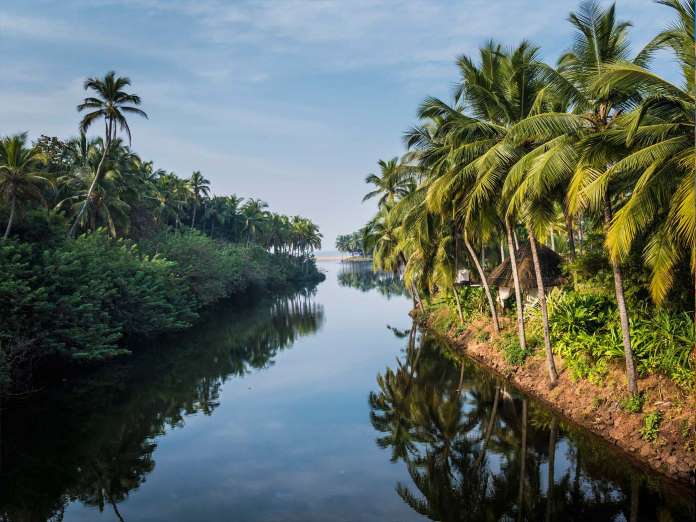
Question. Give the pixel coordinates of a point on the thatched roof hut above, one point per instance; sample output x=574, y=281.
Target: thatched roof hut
x=550, y=262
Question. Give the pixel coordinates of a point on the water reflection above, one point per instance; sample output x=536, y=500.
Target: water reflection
x=103, y=433
x=360, y=275
x=477, y=450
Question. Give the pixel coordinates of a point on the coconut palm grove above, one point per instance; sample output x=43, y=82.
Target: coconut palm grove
x=591, y=158
x=100, y=245
x=531, y=252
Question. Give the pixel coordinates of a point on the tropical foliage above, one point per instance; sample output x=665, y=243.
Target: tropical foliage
x=476, y=449
x=100, y=247
x=593, y=157
x=354, y=243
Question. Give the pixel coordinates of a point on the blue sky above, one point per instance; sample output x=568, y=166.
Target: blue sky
x=289, y=101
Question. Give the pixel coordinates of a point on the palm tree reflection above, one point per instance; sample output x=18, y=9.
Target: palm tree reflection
x=476, y=450
x=361, y=276
x=102, y=451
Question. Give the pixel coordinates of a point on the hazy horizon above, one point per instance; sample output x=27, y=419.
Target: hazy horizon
x=291, y=102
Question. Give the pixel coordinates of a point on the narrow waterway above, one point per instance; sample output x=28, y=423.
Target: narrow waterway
x=322, y=405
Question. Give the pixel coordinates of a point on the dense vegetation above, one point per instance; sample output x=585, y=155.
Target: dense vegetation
x=593, y=157
x=475, y=449
x=102, y=451
x=353, y=244
x=101, y=249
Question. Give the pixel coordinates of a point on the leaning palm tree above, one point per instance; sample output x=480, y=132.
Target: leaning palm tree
x=441, y=152
x=659, y=170
x=21, y=174
x=501, y=91
x=393, y=182
x=576, y=141
x=111, y=104
x=200, y=188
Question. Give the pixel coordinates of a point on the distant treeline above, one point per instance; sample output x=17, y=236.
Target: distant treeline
x=100, y=248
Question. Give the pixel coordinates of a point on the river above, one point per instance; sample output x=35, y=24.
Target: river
x=321, y=405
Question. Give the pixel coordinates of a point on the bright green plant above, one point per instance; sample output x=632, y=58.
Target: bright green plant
x=633, y=403
x=651, y=426
x=513, y=353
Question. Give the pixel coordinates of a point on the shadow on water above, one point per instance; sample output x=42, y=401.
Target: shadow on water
x=360, y=275
x=477, y=450
x=95, y=441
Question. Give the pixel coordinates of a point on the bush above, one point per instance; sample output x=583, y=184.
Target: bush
x=513, y=353
x=633, y=403
x=586, y=332
x=651, y=426
x=85, y=298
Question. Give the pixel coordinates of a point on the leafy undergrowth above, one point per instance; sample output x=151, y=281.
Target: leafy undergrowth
x=81, y=299
x=592, y=384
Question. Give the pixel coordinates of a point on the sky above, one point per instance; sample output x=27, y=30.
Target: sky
x=289, y=101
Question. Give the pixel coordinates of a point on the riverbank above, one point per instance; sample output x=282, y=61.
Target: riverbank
x=85, y=301
x=345, y=259
x=598, y=408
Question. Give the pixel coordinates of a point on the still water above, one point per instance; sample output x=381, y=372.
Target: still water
x=322, y=405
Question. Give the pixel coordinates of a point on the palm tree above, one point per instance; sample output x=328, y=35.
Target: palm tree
x=254, y=213
x=392, y=183
x=659, y=168
x=500, y=92
x=21, y=174
x=442, y=153
x=111, y=104
x=578, y=139
x=200, y=188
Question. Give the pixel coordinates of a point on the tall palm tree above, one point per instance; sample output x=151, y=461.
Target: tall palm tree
x=21, y=174
x=110, y=103
x=577, y=139
x=200, y=188
x=500, y=92
x=443, y=153
x=254, y=213
x=659, y=168
x=392, y=183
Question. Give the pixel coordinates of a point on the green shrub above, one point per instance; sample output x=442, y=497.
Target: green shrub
x=633, y=403
x=586, y=332
x=651, y=426
x=87, y=298
x=513, y=353
x=663, y=342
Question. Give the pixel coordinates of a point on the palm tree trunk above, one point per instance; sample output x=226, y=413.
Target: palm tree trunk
x=571, y=235
x=116, y=511
x=523, y=459
x=97, y=176
x=489, y=429
x=550, y=363
x=416, y=296
x=484, y=282
x=13, y=207
x=459, y=305
x=518, y=290
x=193, y=218
x=551, y=465
x=621, y=305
